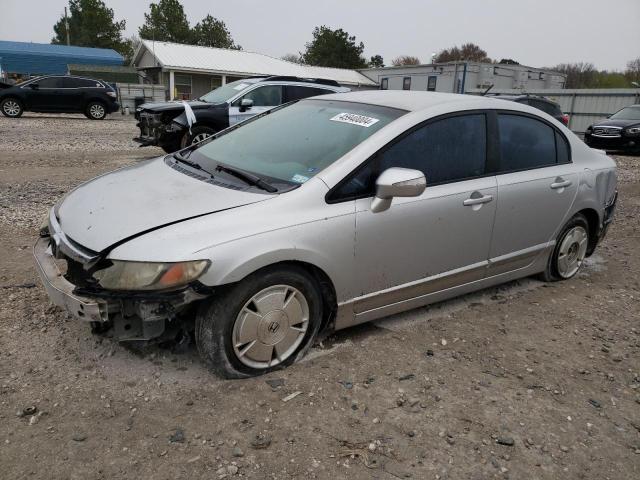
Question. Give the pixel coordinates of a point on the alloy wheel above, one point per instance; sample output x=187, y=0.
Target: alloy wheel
x=270, y=326
x=11, y=108
x=96, y=110
x=572, y=251
x=200, y=137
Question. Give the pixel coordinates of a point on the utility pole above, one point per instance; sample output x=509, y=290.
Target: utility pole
x=66, y=24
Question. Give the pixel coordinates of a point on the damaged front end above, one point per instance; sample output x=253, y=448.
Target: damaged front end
x=159, y=129
x=70, y=273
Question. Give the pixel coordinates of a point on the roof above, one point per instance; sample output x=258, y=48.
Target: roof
x=43, y=58
x=195, y=58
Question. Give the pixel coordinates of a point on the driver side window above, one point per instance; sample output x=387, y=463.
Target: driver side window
x=267, y=96
x=446, y=150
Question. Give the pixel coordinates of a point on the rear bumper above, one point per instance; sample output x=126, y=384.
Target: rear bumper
x=60, y=290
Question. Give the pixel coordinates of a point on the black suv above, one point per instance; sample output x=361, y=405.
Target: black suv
x=174, y=125
x=59, y=94
x=541, y=103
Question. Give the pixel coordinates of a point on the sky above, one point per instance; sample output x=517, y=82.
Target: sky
x=536, y=33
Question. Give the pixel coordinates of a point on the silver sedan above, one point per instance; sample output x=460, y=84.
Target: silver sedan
x=324, y=214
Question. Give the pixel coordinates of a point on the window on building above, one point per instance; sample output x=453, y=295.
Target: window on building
x=182, y=84
x=526, y=143
x=406, y=83
x=216, y=82
x=384, y=84
x=431, y=83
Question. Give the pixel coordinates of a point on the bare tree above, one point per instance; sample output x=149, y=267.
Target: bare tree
x=291, y=57
x=405, y=60
x=468, y=51
x=632, y=73
x=579, y=74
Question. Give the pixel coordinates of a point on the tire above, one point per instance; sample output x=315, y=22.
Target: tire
x=569, y=252
x=197, y=135
x=95, y=111
x=11, y=107
x=246, y=329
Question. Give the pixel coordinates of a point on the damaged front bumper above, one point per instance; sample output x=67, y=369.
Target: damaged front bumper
x=133, y=315
x=155, y=132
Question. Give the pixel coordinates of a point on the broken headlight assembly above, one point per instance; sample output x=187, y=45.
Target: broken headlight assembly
x=126, y=275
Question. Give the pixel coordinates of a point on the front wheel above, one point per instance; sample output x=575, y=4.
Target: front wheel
x=95, y=111
x=260, y=324
x=570, y=250
x=11, y=108
x=197, y=135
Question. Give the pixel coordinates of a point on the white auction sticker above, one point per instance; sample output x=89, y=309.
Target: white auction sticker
x=354, y=119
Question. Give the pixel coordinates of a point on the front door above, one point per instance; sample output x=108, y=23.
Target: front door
x=435, y=241
x=46, y=94
x=537, y=184
x=264, y=98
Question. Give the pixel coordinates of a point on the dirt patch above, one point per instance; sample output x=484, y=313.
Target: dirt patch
x=527, y=380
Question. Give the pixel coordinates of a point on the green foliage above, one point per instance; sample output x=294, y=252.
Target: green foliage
x=211, y=32
x=91, y=24
x=405, y=60
x=468, y=51
x=376, y=61
x=334, y=48
x=585, y=75
x=166, y=22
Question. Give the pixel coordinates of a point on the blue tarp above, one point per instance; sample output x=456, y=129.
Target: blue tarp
x=42, y=58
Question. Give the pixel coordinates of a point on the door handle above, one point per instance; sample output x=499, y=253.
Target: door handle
x=469, y=202
x=559, y=183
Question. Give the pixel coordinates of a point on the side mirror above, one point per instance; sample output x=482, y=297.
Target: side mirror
x=33, y=86
x=397, y=182
x=245, y=104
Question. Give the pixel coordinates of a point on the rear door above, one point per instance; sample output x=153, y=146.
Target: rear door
x=45, y=94
x=74, y=91
x=264, y=97
x=537, y=184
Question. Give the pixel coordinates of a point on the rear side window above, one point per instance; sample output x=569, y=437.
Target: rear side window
x=81, y=83
x=51, y=82
x=295, y=92
x=525, y=143
x=562, y=149
x=446, y=150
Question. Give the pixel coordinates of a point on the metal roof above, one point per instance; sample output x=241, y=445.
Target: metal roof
x=43, y=58
x=176, y=56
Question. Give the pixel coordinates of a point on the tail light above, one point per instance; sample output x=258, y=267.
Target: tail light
x=565, y=119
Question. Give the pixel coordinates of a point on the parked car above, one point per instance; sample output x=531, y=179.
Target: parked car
x=541, y=103
x=166, y=124
x=60, y=94
x=620, y=131
x=324, y=214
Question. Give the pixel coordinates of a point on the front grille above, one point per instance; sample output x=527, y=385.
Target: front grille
x=148, y=124
x=610, y=132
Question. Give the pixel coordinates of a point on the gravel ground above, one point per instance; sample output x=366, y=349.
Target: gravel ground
x=527, y=380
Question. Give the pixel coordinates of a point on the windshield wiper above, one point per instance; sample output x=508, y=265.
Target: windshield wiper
x=249, y=178
x=178, y=156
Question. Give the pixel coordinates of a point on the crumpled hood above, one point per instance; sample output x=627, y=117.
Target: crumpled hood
x=168, y=106
x=140, y=198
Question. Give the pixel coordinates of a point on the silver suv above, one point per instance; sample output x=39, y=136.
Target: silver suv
x=327, y=213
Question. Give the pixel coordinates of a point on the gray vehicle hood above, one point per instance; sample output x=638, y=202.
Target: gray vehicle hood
x=134, y=200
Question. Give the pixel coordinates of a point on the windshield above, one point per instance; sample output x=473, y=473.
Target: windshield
x=627, y=113
x=225, y=92
x=296, y=142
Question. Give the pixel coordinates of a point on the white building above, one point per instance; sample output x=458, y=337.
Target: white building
x=463, y=77
x=189, y=71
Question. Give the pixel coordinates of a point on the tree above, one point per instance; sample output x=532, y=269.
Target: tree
x=211, y=32
x=508, y=61
x=579, y=74
x=166, y=22
x=467, y=52
x=91, y=24
x=334, y=48
x=632, y=73
x=376, y=61
x=405, y=60
x=291, y=57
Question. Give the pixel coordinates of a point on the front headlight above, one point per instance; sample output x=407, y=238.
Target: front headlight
x=633, y=130
x=124, y=275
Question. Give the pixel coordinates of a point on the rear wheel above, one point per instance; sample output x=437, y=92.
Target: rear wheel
x=11, y=107
x=96, y=111
x=263, y=323
x=570, y=250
